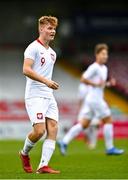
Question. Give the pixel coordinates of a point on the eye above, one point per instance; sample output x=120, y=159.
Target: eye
x=50, y=28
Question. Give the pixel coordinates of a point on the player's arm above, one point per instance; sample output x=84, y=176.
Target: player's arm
x=88, y=74
x=111, y=82
x=28, y=71
x=88, y=82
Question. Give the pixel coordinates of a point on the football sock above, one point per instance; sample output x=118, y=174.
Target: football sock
x=28, y=145
x=47, y=151
x=92, y=133
x=72, y=133
x=108, y=135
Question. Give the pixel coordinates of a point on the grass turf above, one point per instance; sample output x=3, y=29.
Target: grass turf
x=80, y=163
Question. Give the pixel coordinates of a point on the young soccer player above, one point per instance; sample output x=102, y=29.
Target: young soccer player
x=94, y=105
x=39, y=59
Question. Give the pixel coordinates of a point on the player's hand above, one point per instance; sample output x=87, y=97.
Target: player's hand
x=52, y=84
x=100, y=84
x=112, y=81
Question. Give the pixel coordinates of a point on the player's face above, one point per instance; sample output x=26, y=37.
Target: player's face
x=48, y=31
x=102, y=57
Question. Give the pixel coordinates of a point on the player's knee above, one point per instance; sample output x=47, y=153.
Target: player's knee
x=39, y=132
x=85, y=124
x=107, y=120
x=52, y=130
x=54, y=127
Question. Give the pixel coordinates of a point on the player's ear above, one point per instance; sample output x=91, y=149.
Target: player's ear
x=41, y=27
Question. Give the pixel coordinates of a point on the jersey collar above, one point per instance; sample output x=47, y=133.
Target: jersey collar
x=42, y=44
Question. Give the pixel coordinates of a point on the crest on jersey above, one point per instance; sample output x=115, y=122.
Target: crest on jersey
x=39, y=115
x=53, y=57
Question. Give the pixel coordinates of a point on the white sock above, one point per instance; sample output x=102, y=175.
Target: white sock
x=92, y=133
x=28, y=145
x=47, y=151
x=72, y=133
x=108, y=135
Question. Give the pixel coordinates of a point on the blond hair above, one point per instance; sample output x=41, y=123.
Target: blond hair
x=48, y=19
x=100, y=47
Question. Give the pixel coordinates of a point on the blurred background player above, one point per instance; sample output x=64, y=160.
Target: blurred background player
x=91, y=133
x=39, y=59
x=94, y=105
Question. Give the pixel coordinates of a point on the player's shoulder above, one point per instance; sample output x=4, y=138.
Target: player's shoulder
x=32, y=47
x=32, y=44
x=93, y=65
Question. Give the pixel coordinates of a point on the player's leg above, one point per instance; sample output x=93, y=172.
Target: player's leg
x=75, y=131
x=48, y=147
x=37, y=132
x=105, y=115
x=72, y=133
x=91, y=133
x=84, y=120
x=37, y=117
x=108, y=132
x=50, y=141
x=108, y=136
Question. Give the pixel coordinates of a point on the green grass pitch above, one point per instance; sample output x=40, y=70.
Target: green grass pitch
x=80, y=163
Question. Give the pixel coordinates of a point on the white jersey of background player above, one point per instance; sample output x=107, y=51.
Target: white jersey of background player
x=94, y=104
x=82, y=91
x=91, y=132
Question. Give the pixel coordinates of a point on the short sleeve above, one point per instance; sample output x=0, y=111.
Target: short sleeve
x=90, y=72
x=30, y=53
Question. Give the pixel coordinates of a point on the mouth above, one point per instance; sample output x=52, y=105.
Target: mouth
x=52, y=35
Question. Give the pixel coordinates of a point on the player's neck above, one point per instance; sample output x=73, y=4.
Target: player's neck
x=44, y=42
x=98, y=62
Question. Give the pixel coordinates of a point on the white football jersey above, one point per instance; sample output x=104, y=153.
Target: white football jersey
x=82, y=91
x=96, y=73
x=44, y=60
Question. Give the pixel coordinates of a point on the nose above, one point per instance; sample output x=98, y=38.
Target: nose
x=53, y=31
